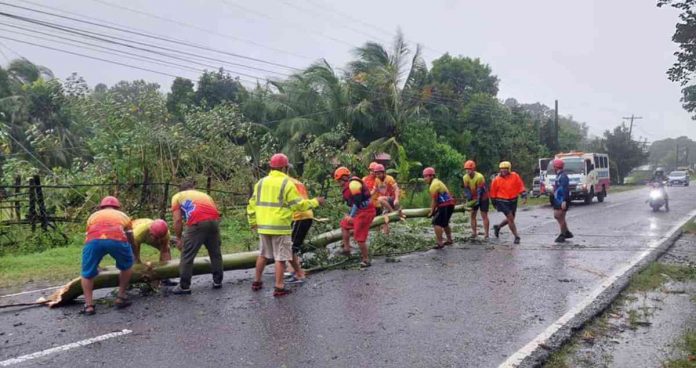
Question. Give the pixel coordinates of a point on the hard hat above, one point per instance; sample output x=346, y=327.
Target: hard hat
x=505, y=165
x=378, y=168
x=279, y=161
x=428, y=171
x=372, y=166
x=470, y=164
x=558, y=164
x=341, y=172
x=110, y=201
x=158, y=228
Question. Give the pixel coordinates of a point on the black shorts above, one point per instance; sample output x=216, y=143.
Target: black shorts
x=380, y=210
x=484, y=205
x=557, y=206
x=300, y=228
x=506, y=207
x=443, y=215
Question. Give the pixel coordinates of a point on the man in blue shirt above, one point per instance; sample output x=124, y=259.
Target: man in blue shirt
x=560, y=200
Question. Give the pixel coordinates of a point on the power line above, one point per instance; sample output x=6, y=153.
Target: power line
x=192, y=26
x=148, y=35
x=101, y=37
x=631, y=118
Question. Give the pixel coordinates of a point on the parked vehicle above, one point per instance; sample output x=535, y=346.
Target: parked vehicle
x=678, y=178
x=588, y=174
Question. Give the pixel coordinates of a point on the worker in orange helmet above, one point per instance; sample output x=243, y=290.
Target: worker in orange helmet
x=441, y=207
x=505, y=190
x=359, y=218
x=476, y=194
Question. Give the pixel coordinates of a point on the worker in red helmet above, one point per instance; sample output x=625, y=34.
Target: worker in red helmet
x=109, y=231
x=441, y=207
x=560, y=200
x=476, y=194
x=362, y=211
x=270, y=213
x=371, y=180
x=154, y=233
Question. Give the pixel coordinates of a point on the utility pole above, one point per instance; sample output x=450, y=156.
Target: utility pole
x=555, y=123
x=676, y=158
x=630, y=129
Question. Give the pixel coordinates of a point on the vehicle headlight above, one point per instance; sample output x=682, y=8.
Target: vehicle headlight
x=655, y=194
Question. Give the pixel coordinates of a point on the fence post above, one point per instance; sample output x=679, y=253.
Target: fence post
x=42, y=205
x=208, y=184
x=32, y=204
x=143, y=190
x=18, y=182
x=165, y=200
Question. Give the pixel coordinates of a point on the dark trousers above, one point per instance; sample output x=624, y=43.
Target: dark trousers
x=203, y=233
x=300, y=228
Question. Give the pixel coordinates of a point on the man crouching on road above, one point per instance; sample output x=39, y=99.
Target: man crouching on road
x=270, y=212
x=109, y=231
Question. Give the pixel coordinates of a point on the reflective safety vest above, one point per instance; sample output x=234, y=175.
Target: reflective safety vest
x=272, y=205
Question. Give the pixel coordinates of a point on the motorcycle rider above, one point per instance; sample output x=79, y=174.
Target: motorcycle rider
x=658, y=181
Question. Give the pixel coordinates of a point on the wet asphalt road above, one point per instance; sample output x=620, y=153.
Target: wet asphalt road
x=468, y=306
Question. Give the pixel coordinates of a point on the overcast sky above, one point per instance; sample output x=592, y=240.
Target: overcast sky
x=602, y=60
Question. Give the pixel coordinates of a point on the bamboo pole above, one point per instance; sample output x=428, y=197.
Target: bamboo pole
x=201, y=265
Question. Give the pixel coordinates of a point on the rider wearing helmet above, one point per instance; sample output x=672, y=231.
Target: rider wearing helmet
x=560, y=200
x=477, y=195
x=505, y=189
x=658, y=180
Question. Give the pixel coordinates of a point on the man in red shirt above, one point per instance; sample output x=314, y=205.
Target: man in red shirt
x=505, y=189
x=359, y=218
x=109, y=231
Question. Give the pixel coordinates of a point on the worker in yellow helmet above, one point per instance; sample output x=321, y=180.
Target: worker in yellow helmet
x=505, y=190
x=477, y=195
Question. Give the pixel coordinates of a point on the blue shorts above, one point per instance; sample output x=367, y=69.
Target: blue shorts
x=96, y=249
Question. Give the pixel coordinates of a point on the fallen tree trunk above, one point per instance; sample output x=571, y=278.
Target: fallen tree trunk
x=201, y=265
x=329, y=237
x=147, y=273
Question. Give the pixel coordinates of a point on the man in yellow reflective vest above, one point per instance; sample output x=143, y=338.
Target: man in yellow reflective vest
x=270, y=212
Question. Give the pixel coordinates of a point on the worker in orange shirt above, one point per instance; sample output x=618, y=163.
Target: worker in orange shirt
x=385, y=194
x=505, y=189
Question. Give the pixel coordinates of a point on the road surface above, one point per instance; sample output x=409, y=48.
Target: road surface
x=466, y=306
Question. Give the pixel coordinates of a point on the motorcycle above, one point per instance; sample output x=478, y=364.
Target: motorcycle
x=657, y=197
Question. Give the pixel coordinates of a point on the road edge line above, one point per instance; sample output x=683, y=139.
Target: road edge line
x=554, y=336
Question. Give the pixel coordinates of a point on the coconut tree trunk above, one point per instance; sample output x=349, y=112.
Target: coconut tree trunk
x=201, y=265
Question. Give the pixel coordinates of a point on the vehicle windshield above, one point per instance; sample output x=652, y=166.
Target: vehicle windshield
x=677, y=173
x=571, y=166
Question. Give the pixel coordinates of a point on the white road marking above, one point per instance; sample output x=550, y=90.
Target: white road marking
x=516, y=359
x=29, y=292
x=39, y=354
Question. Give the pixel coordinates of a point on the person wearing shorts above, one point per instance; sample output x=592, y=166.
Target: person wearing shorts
x=385, y=194
x=109, y=231
x=270, y=212
x=560, y=200
x=505, y=189
x=362, y=211
x=301, y=223
x=477, y=196
x=441, y=208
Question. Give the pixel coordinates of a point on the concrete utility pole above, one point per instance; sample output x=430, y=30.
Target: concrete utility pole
x=630, y=129
x=555, y=123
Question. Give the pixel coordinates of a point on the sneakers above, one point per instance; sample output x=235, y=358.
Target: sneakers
x=294, y=280
x=560, y=239
x=517, y=240
x=179, y=291
x=217, y=285
x=168, y=282
x=496, y=231
x=568, y=235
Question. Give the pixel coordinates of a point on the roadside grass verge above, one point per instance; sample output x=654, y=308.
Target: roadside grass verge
x=690, y=227
x=688, y=347
x=655, y=275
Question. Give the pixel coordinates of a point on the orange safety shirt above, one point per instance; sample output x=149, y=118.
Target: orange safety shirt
x=507, y=187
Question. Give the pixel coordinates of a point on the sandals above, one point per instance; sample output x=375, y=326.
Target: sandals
x=256, y=285
x=448, y=243
x=89, y=310
x=122, y=302
x=365, y=264
x=346, y=253
x=438, y=246
x=281, y=292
